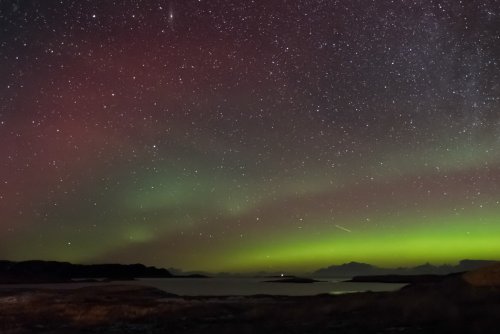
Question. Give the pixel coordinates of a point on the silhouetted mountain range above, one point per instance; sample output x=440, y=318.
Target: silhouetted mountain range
x=362, y=269
x=53, y=272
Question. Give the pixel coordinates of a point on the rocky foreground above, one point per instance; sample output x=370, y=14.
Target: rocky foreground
x=467, y=303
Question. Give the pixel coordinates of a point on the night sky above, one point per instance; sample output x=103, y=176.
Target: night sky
x=228, y=135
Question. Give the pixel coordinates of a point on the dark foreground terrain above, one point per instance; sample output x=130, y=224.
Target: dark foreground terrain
x=458, y=304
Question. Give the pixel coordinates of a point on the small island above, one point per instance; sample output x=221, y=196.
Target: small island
x=293, y=279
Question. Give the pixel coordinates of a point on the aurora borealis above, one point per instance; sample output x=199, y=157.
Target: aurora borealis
x=250, y=135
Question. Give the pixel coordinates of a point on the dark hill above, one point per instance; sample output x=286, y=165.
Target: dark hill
x=54, y=272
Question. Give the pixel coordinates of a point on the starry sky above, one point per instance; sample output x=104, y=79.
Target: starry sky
x=250, y=135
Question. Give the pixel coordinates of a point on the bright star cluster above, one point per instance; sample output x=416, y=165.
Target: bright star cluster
x=250, y=135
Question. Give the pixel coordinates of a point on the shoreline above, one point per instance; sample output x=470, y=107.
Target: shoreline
x=450, y=305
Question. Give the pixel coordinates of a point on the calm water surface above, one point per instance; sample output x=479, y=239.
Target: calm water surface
x=236, y=286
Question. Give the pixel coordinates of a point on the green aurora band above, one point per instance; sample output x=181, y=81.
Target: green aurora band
x=442, y=214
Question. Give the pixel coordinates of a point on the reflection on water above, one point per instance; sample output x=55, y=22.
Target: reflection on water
x=236, y=286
